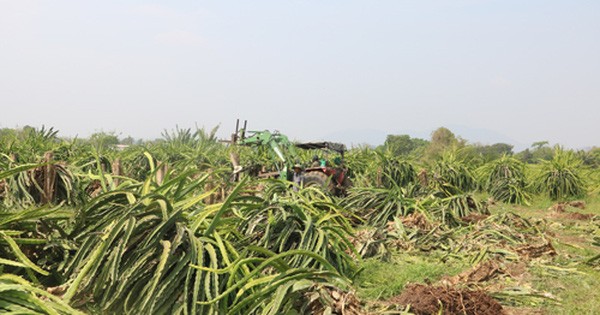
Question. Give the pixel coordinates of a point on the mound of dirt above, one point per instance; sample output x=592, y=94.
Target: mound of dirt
x=560, y=207
x=559, y=211
x=578, y=216
x=425, y=299
x=577, y=204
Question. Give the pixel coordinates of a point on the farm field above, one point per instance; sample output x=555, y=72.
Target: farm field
x=561, y=283
x=88, y=226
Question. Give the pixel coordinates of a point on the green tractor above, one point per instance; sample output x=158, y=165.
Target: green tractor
x=331, y=176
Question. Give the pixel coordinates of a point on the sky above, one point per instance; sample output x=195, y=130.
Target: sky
x=490, y=70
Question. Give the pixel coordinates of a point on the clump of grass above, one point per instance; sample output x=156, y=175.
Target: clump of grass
x=382, y=280
x=577, y=291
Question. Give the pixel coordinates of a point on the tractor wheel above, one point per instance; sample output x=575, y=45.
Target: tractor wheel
x=317, y=179
x=342, y=190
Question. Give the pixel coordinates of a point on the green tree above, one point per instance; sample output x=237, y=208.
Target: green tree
x=129, y=140
x=525, y=156
x=540, y=151
x=590, y=157
x=442, y=139
x=7, y=135
x=103, y=140
x=403, y=144
x=539, y=144
x=492, y=152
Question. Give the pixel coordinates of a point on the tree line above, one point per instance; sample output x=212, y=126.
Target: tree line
x=442, y=139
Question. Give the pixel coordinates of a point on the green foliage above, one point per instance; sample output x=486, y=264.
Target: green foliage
x=504, y=179
x=104, y=140
x=452, y=172
x=137, y=246
x=594, y=180
x=161, y=228
x=394, y=171
x=361, y=163
x=380, y=205
x=32, y=242
x=403, y=144
x=442, y=139
x=381, y=280
x=134, y=253
x=306, y=220
x=452, y=208
x=540, y=152
x=144, y=245
x=34, y=184
x=29, y=144
x=489, y=153
x=560, y=178
x=590, y=158
x=18, y=296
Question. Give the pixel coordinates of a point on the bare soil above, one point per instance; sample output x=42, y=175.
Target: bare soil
x=559, y=211
x=426, y=299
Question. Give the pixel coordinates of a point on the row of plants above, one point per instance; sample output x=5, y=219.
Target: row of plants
x=162, y=228
x=141, y=238
x=506, y=179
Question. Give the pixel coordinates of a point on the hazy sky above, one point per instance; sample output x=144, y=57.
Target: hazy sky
x=525, y=70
